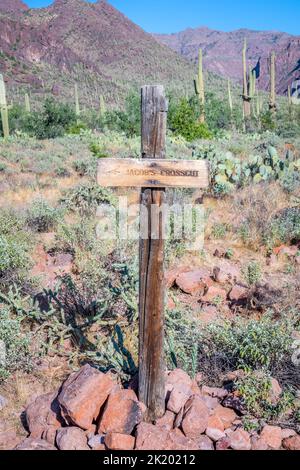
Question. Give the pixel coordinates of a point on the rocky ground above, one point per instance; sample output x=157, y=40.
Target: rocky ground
x=91, y=411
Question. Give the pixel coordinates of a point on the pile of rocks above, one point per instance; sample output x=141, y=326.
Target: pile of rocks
x=91, y=411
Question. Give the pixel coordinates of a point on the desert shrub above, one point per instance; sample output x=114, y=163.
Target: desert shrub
x=85, y=167
x=285, y=226
x=42, y=217
x=252, y=273
x=14, y=344
x=86, y=197
x=127, y=121
x=268, y=122
x=250, y=344
x=13, y=256
x=183, y=121
x=255, y=389
x=98, y=150
x=51, y=121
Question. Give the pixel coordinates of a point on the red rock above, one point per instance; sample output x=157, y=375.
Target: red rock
x=117, y=441
x=121, y=414
x=83, y=395
x=226, y=272
x=49, y=434
x=167, y=421
x=272, y=436
x=178, y=441
x=238, y=293
x=223, y=444
x=259, y=443
x=8, y=436
x=195, y=419
x=34, y=444
x=211, y=403
x=150, y=437
x=178, y=376
x=240, y=440
x=289, y=251
x=179, y=418
x=208, y=314
x=42, y=413
x=226, y=415
x=215, y=428
x=292, y=443
x=194, y=282
x=170, y=304
x=195, y=388
x=178, y=397
x=287, y=433
x=71, y=438
x=172, y=274
x=214, y=294
x=97, y=442
x=275, y=391
x=204, y=443
x=214, y=392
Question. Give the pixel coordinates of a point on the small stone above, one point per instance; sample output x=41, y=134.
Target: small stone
x=292, y=443
x=223, y=444
x=240, y=440
x=258, y=443
x=238, y=293
x=167, y=421
x=117, y=441
x=215, y=392
x=214, y=294
x=287, y=433
x=194, y=282
x=31, y=443
x=96, y=442
x=71, y=438
x=204, y=443
x=178, y=441
x=121, y=414
x=195, y=419
x=226, y=415
x=272, y=436
x=150, y=437
x=178, y=397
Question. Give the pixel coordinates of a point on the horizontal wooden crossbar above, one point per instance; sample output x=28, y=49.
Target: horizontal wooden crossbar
x=148, y=173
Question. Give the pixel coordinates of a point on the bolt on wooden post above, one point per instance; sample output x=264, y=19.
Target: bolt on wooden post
x=152, y=173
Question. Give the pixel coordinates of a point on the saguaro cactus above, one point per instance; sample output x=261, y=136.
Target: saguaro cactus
x=27, y=103
x=199, y=87
x=230, y=97
x=246, y=95
x=77, y=108
x=272, y=102
x=4, y=108
x=102, y=107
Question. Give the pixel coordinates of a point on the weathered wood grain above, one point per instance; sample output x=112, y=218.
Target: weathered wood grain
x=152, y=284
x=153, y=173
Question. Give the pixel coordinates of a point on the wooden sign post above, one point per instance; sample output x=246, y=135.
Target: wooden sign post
x=153, y=174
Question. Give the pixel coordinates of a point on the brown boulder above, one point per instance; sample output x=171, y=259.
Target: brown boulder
x=215, y=392
x=172, y=274
x=44, y=412
x=83, y=395
x=178, y=441
x=34, y=444
x=71, y=438
x=272, y=436
x=226, y=273
x=195, y=419
x=117, y=441
x=204, y=443
x=292, y=443
x=122, y=413
x=150, y=437
x=259, y=443
x=238, y=293
x=194, y=282
x=214, y=295
x=167, y=421
x=178, y=376
x=240, y=440
x=215, y=428
x=178, y=397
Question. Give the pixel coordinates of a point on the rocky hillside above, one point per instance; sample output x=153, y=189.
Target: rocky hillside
x=46, y=50
x=223, y=52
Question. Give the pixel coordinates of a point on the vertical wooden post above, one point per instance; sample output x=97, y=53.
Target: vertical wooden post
x=152, y=286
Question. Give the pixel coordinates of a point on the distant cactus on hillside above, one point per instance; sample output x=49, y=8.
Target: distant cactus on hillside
x=199, y=87
x=4, y=108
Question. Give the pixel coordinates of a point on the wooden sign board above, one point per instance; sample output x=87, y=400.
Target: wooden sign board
x=156, y=173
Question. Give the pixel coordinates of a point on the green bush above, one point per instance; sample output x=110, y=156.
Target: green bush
x=41, y=217
x=86, y=197
x=183, y=121
x=285, y=227
x=250, y=344
x=127, y=121
x=14, y=344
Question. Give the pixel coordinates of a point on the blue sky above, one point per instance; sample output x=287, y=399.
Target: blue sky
x=174, y=15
